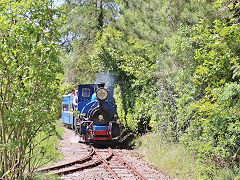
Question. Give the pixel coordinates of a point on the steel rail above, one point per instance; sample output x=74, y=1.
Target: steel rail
x=129, y=166
x=93, y=164
x=68, y=171
x=106, y=164
x=100, y=161
x=88, y=157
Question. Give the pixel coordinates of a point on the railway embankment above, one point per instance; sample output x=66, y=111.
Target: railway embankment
x=170, y=158
x=176, y=160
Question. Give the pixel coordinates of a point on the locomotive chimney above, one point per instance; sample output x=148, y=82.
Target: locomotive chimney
x=101, y=85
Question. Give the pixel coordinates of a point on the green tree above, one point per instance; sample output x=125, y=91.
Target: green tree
x=148, y=31
x=84, y=20
x=129, y=61
x=211, y=98
x=29, y=81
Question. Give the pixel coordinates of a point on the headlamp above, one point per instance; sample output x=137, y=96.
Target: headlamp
x=102, y=94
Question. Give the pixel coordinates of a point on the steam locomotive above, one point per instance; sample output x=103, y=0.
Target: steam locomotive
x=95, y=116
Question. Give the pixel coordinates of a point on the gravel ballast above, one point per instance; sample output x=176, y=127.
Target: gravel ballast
x=73, y=150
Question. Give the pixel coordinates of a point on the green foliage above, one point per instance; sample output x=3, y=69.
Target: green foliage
x=213, y=60
x=215, y=125
x=84, y=20
x=131, y=64
x=208, y=102
x=176, y=66
x=29, y=80
x=153, y=26
x=175, y=75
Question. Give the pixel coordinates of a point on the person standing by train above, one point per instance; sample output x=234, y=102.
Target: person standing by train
x=75, y=100
x=73, y=93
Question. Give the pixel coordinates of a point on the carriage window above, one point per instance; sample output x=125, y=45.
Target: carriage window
x=85, y=92
x=65, y=107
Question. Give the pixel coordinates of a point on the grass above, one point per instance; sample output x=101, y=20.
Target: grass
x=49, y=148
x=42, y=176
x=177, y=161
x=47, y=152
x=170, y=158
x=227, y=174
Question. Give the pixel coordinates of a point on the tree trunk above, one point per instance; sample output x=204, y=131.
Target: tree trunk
x=3, y=141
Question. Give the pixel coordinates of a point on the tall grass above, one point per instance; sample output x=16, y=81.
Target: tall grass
x=46, y=152
x=170, y=158
x=178, y=161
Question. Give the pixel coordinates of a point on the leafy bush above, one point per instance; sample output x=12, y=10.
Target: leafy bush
x=30, y=77
x=209, y=99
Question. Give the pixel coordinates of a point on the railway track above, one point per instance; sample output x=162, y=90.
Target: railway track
x=116, y=166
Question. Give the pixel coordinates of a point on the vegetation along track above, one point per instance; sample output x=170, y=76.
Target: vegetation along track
x=114, y=164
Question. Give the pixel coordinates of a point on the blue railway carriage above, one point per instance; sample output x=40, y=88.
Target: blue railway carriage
x=95, y=117
x=67, y=109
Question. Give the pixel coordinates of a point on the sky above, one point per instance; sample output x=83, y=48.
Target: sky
x=58, y=2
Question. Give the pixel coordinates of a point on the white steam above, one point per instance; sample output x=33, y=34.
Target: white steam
x=106, y=78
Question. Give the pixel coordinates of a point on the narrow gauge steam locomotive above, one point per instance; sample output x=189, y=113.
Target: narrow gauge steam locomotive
x=95, y=117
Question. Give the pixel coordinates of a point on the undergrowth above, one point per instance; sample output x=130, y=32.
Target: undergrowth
x=178, y=161
x=49, y=154
x=49, y=146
